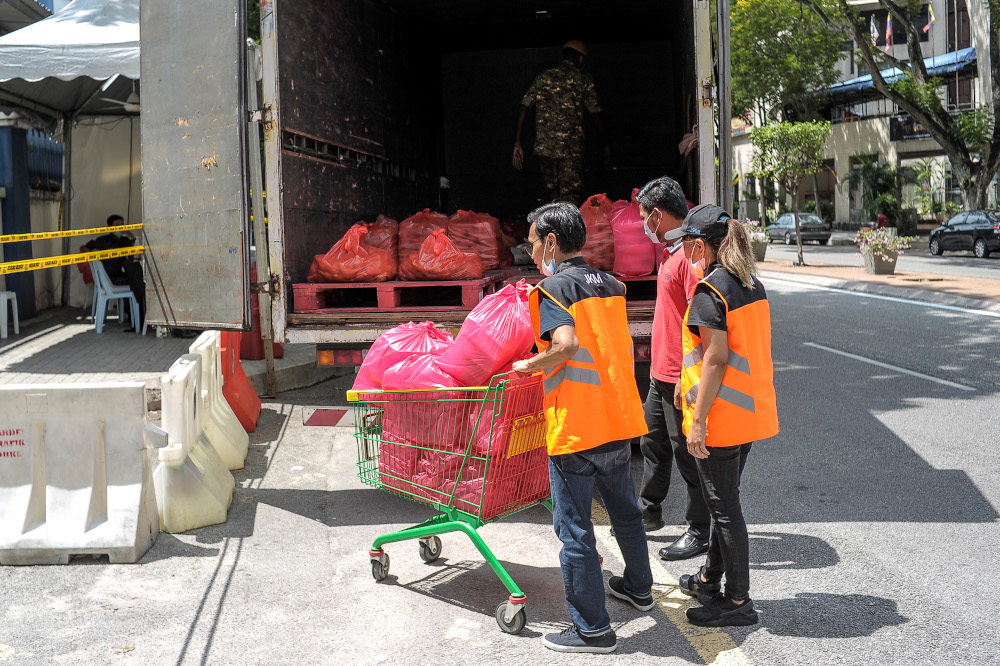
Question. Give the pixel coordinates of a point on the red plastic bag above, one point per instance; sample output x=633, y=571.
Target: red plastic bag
x=350, y=260
x=496, y=332
x=414, y=230
x=439, y=259
x=397, y=345
x=477, y=234
x=383, y=233
x=599, y=251
x=634, y=252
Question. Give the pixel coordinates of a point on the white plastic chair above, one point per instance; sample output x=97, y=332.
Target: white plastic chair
x=105, y=292
x=5, y=298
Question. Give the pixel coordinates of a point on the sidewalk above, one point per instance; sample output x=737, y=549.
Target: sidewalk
x=61, y=346
x=959, y=291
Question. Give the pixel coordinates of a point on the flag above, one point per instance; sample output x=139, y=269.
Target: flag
x=874, y=31
x=888, y=32
x=930, y=18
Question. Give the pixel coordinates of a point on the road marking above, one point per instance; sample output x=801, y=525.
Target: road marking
x=893, y=299
x=714, y=646
x=894, y=368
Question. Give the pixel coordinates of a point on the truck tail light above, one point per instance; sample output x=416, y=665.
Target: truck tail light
x=339, y=357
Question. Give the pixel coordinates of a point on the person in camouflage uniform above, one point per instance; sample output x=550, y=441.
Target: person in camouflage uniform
x=560, y=96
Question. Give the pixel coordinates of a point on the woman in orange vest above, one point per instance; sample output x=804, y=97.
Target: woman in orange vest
x=727, y=396
x=592, y=411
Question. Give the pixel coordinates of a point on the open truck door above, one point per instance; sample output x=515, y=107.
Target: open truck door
x=195, y=183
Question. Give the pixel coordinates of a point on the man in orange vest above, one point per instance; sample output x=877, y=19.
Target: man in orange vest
x=593, y=410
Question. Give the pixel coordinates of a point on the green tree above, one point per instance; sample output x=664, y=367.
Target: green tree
x=787, y=153
x=253, y=20
x=971, y=139
x=781, y=54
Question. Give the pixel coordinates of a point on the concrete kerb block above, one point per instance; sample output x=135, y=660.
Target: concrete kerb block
x=193, y=486
x=76, y=473
x=220, y=424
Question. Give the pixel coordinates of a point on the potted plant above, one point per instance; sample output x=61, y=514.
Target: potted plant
x=759, y=237
x=880, y=248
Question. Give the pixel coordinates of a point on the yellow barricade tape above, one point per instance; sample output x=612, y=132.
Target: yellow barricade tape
x=67, y=259
x=45, y=235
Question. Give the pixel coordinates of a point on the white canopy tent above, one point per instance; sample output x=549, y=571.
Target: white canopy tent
x=79, y=70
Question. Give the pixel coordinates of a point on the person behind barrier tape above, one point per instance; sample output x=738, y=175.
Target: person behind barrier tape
x=561, y=95
x=727, y=395
x=592, y=411
x=121, y=270
x=663, y=208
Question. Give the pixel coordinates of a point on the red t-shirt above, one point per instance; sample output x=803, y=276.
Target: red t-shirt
x=674, y=284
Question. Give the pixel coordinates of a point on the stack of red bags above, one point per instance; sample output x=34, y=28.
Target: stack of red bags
x=353, y=260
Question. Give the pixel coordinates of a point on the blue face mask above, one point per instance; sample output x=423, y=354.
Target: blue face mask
x=116, y=234
x=548, y=267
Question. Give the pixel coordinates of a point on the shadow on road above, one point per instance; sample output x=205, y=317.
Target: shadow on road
x=819, y=615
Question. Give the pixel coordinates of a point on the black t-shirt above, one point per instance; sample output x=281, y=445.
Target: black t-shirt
x=551, y=317
x=707, y=308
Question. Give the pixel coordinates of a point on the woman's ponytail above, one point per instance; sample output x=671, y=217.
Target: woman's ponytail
x=736, y=254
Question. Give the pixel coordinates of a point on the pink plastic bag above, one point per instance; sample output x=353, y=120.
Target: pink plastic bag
x=599, y=250
x=634, y=252
x=421, y=371
x=397, y=345
x=496, y=332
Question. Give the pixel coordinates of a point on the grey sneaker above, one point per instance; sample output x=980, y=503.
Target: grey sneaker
x=571, y=640
x=616, y=585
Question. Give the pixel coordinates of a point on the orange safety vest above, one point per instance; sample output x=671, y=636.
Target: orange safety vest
x=591, y=399
x=745, y=409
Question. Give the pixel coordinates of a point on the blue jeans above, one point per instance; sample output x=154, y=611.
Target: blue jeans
x=573, y=477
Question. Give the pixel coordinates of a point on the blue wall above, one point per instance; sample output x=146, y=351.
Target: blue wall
x=16, y=218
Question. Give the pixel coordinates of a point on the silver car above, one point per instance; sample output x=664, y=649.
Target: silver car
x=812, y=227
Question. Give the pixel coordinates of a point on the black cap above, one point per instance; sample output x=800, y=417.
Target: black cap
x=706, y=220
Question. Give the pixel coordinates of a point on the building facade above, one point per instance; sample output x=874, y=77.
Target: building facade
x=954, y=41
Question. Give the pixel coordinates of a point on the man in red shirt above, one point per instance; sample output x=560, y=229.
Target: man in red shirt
x=663, y=208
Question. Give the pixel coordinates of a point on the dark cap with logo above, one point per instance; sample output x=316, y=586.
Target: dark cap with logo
x=706, y=220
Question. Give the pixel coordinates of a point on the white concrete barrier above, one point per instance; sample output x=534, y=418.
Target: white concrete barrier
x=76, y=472
x=219, y=421
x=194, y=488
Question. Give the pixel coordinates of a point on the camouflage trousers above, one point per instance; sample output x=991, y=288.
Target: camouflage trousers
x=563, y=178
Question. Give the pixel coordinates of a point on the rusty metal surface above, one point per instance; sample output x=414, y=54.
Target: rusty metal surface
x=194, y=177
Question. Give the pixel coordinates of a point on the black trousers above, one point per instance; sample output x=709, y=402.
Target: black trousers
x=664, y=443
x=137, y=283
x=729, y=544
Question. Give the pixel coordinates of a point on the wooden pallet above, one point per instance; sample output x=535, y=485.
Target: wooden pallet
x=362, y=297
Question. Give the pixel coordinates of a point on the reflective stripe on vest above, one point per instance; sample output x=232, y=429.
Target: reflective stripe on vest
x=727, y=393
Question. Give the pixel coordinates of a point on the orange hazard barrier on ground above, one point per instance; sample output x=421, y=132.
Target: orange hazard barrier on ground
x=252, y=345
x=236, y=388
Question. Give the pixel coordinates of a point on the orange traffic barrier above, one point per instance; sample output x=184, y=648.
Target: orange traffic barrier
x=236, y=388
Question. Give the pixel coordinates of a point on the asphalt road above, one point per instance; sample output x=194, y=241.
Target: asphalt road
x=873, y=521
x=917, y=259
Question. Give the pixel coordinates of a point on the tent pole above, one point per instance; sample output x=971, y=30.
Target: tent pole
x=67, y=220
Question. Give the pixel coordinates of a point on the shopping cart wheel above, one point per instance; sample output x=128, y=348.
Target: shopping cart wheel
x=517, y=622
x=380, y=567
x=430, y=549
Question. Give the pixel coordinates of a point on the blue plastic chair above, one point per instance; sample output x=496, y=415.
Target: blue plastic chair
x=105, y=292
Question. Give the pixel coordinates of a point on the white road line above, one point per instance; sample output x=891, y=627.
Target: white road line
x=880, y=297
x=894, y=368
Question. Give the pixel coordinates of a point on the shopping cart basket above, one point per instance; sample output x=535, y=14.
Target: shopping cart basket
x=475, y=454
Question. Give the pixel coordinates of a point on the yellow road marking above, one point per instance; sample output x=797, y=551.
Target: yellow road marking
x=714, y=646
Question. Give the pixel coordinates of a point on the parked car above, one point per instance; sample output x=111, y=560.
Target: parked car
x=976, y=230
x=812, y=227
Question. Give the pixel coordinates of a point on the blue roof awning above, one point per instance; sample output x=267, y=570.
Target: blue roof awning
x=942, y=64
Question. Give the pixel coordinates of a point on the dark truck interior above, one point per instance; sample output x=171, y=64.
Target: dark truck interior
x=381, y=99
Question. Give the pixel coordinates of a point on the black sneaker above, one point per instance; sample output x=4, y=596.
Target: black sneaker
x=653, y=524
x=694, y=586
x=571, y=640
x=722, y=612
x=616, y=585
